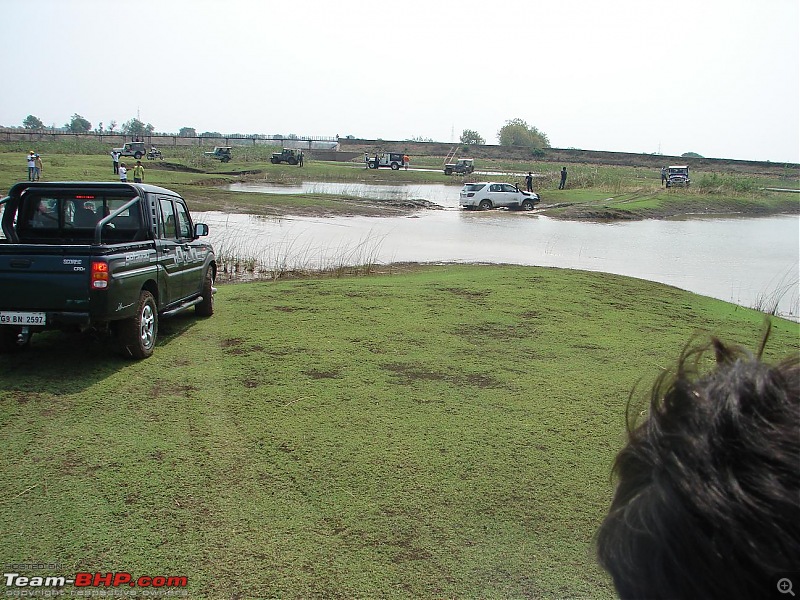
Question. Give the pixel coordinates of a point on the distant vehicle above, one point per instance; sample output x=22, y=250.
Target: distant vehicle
x=678, y=176
x=486, y=195
x=287, y=155
x=135, y=149
x=154, y=153
x=393, y=160
x=462, y=166
x=222, y=153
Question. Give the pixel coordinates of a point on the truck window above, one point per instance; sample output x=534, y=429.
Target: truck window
x=184, y=222
x=43, y=218
x=168, y=218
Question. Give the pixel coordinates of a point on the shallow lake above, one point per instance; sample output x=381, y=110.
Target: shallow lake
x=747, y=261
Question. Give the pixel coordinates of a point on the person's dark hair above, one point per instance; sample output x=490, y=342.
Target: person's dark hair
x=707, y=503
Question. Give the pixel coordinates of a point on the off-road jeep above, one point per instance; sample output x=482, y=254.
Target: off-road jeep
x=135, y=149
x=678, y=176
x=287, y=155
x=222, y=153
x=461, y=167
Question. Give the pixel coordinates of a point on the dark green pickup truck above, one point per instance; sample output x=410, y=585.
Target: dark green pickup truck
x=113, y=257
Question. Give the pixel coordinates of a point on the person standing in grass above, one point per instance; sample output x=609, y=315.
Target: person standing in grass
x=38, y=167
x=563, y=178
x=529, y=182
x=31, y=165
x=406, y=160
x=138, y=172
x=663, y=175
x=123, y=173
x=707, y=503
x=115, y=161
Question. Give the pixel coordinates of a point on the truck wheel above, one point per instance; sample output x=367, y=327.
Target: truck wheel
x=448, y=171
x=395, y=166
x=137, y=155
x=206, y=307
x=485, y=204
x=527, y=205
x=138, y=334
x=292, y=161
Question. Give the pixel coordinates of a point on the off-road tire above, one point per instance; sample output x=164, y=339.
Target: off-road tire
x=527, y=205
x=395, y=166
x=138, y=334
x=137, y=155
x=485, y=204
x=292, y=161
x=448, y=171
x=206, y=307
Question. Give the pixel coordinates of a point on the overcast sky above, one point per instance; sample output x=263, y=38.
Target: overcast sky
x=716, y=77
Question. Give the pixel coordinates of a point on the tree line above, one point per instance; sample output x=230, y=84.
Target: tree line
x=515, y=132
x=134, y=127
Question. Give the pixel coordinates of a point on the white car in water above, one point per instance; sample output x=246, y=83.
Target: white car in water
x=486, y=195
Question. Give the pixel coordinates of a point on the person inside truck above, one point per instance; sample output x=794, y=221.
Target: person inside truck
x=43, y=217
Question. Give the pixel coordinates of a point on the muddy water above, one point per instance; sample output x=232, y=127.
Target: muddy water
x=741, y=260
x=445, y=195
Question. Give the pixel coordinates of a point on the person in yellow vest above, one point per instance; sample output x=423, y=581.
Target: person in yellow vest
x=138, y=172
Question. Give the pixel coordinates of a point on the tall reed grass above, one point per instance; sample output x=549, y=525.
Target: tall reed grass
x=240, y=260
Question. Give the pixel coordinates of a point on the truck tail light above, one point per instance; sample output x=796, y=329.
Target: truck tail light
x=99, y=275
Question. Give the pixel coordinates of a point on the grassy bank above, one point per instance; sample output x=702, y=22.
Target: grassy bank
x=593, y=192
x=442, y=432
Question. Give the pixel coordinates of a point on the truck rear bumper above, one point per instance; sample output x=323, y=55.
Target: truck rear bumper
x=52, y=320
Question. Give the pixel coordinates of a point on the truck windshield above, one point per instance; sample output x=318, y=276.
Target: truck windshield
x=43, y=217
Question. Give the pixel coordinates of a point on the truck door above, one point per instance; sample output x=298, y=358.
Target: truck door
x=171, y=253
x=192, y=251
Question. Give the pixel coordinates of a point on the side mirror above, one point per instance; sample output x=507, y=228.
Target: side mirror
x=200, y=229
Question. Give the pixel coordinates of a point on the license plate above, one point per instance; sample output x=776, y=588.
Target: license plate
x=22, y=318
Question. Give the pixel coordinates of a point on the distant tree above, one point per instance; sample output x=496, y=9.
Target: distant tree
x=137, y=128
x=100, y=127
x=187, y=132
x=691, y=155
x=78, y=124
x=517, y=132
x=419, y=138
x=32, y=122
x=468, y=136
x=211, y=134
x=111, y=126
